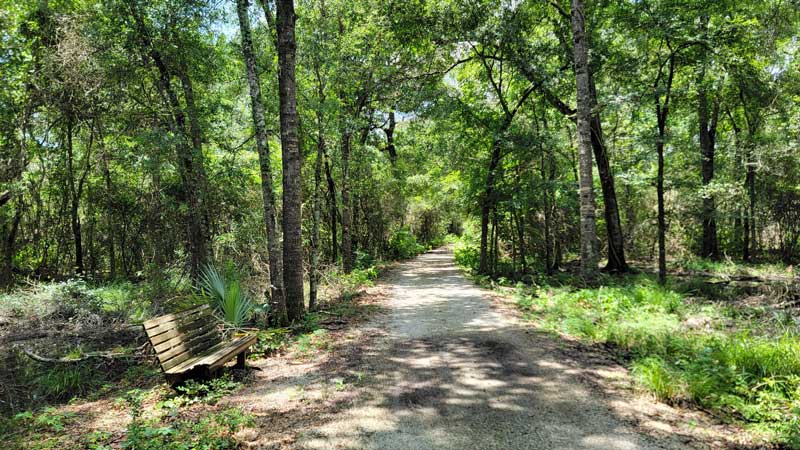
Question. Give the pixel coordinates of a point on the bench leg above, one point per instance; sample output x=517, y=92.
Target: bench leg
x=240, y=360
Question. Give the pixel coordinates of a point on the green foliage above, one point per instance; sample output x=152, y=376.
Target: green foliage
x=64, y=381
x=271, y=340
x=348, y=285
x=214, y=431
x=683, y=352
x=467, y=255
x=193, y=391
x=310, y=343
x=225, y=293
x=403, y=245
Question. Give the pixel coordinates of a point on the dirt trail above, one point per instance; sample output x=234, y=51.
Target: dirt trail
x=455, y=372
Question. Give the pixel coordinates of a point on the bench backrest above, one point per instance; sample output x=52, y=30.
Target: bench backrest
x=177, y=337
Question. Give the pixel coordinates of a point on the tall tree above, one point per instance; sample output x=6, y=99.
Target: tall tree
x=262, y=146
x=589, y=255
x=292, y=187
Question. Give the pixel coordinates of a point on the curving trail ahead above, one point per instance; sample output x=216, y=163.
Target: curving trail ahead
x=455, y=373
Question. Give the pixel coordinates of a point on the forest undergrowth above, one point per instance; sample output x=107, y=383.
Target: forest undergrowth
x=694, y=342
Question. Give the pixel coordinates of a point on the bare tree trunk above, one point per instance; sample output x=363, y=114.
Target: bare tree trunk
x=548, y=213
x=390, y=148
x=7, y=274
x=334, y=210
x=313, y=276
x=292, y=186
x=589, y=255
x=487, y=205
x=274, y=253
x=662, y=112
x=200, y=221
x=111, y=229
x=347, y=212
x=662, y=260
x=616, y=240
x=749, y=244
x=708, y=129
x=75, y=219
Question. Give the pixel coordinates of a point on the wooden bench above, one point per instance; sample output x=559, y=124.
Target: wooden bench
x=189, y=343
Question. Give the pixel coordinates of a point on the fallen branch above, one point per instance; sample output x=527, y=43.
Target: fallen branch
x=64, y=360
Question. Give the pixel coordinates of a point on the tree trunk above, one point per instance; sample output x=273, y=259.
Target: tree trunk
x=313, y=275
x=274, y=253
x=110, y=228
x=292, y=186
x=616, y=240
x=334, y=210
x=662, y=112
x=7, y=274
x=586, y=184
x=708, y=125
x=616, y=258
x=75, y=220
x=548, y=235
x=749, y=243
x=347, y=213
x=390, y=148
x=487, y=205
x=199, y=220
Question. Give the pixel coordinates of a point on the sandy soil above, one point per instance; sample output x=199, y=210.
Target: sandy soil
x=449, y=366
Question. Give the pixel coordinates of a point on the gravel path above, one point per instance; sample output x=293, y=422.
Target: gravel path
x=456, y=373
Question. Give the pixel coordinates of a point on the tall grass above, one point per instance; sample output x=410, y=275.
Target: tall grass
x=724, y=364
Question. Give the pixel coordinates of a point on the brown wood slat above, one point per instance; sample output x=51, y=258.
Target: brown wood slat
x=192, y=362
x=184, y=351
x=177, y=334
x=216, y=356
x=244, y=342
x=148, y=324
x=198, y=335
x=181, y=322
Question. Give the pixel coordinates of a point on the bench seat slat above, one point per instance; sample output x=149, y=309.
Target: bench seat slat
x=215, y=356
x=186, y=350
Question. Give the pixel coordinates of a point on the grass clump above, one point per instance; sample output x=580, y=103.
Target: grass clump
x=686, y=353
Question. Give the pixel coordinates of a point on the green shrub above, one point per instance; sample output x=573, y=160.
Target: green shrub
x=467, y=255
x=403, y=245
x=225, y=293
x=753, y=378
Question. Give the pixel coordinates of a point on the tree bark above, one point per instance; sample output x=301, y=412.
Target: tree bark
x=662, y=112
x=547, y=178
x=616, y=257
x=347, y=212
x=7, y=275
x=589, y=255
x=313, y=276
x=708, y=129
x=390, y=148
x=199, y=232
x=75, y=220
x=487, y=205
x=292, y=186
x=334, y=210
x=274, y=253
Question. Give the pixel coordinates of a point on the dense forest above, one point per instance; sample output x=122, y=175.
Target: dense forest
x=147, y=147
